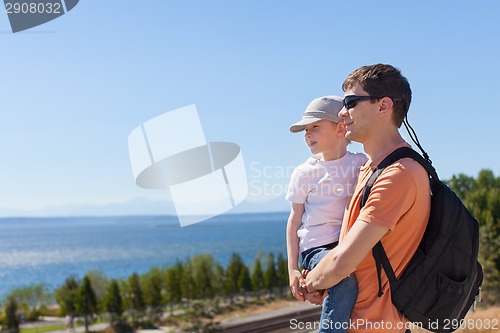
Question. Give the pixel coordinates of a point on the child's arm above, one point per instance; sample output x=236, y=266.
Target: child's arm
x=292, y=245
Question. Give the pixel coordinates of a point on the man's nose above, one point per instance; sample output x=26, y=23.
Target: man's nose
x=343, y=113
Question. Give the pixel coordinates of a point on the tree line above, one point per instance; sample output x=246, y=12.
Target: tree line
x=481, y=196
x=141, y=300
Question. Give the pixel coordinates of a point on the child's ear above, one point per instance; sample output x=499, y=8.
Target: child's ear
x=341, y=128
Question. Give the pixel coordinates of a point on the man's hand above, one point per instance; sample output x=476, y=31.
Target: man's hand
x=315, y=297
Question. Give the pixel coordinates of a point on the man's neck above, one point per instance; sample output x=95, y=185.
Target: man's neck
x=382, y=145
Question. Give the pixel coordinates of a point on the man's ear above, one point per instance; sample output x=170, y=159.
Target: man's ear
x=385, y=105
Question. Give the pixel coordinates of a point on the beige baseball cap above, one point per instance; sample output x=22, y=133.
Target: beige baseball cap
x=326, y=107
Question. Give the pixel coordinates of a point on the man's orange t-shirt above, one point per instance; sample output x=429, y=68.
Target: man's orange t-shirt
x=400, y=201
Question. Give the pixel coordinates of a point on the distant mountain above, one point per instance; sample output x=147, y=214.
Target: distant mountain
x=139, y=206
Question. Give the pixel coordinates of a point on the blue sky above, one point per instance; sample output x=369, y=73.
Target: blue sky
x=74, y=88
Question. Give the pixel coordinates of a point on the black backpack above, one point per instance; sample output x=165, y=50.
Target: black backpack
x=443, y=279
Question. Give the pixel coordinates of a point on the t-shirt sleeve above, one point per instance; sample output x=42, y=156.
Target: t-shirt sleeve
x=362, y=159
x=391, y=197
x=297, y=189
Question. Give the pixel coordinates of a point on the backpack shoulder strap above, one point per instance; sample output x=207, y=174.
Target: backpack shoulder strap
x=378, y=251
x=396, y=155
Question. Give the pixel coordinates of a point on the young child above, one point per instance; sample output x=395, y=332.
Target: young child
x=319, y=192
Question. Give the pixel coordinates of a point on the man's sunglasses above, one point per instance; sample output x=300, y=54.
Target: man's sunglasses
x=350, y=101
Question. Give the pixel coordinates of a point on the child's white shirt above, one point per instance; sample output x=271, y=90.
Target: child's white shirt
x=324, y=187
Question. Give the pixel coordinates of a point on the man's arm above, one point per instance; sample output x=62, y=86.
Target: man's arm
x=343, y=259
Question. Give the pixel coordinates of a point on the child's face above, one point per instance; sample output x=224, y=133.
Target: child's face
x=322, y=136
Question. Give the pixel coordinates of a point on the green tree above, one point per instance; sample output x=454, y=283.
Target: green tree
x=113, y=302
x=486, y=208
x=202, y=270
x=86, y=303
x=482, y=198
x=258, y=277
x=154, y=295
x=137, y=304
x=282, y=272
x=188, y=284
x=486, y=180
x=99, y=284
x=244, y=281
x=67, y=297
x=219, y=280
x=233, y=272
x=173, y=285
x=270, y=276
x=11, y=316
x=31, y=298
x=154, y=285
x=462, y=185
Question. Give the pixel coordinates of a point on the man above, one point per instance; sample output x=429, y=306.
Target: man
x=376, y=101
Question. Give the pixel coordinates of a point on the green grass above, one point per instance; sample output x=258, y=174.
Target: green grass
x=43, y=329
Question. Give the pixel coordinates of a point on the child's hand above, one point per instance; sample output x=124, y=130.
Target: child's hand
x=296, y=283
x=315, y=297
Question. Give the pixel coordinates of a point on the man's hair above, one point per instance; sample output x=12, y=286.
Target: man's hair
x=383, y=80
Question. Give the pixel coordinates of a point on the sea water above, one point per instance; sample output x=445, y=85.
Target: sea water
x=48, y=250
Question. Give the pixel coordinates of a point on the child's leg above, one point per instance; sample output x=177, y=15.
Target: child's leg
x=337, y=306
x=313, y=257
x=340, y=299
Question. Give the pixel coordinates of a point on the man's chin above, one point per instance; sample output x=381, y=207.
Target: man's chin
x=351, y=137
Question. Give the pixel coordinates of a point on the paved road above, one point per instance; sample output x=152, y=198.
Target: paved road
x=276, y=321
x=298, y=319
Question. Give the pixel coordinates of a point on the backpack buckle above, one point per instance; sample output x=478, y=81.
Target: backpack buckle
x=477, y=299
